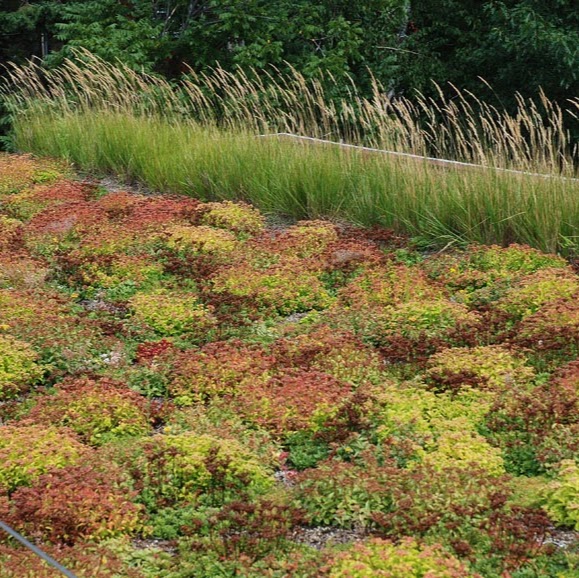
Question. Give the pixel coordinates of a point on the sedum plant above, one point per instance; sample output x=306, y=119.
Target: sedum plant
x=201, y=240
x=412, y=331
x=292, y=401
x=492, y=367
x=461, y=447
x=535, y=291
x=8, y=230
x=239, y=218
x=65, y=341
x=31, y=201
x=18, y=367
x=551, y=335
x=28, y=451
x=216, y=370
x=191, y=468
x=20, y=171
x=406, y=559
x=437, y=429
x=21, y=272
x=98, y=411
x=538, y=428
x=86, y=560
x=75, y=504
x=388, y=285
x=284, y=288
x=484, y=266
x=562, y=495
x=307, y=239
x=173, y=314
x=113, y=277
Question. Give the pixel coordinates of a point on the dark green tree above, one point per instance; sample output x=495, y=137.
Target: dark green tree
x=339, y=36
x=514, y=45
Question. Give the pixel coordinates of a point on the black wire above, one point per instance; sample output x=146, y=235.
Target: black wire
x=36, y=550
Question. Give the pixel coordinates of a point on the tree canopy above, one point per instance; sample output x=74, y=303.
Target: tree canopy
x=514, y=45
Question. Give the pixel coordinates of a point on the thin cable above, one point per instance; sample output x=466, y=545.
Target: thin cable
x=36, y=550
x=432, y=160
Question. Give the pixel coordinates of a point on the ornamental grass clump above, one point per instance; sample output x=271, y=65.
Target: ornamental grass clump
x=200, y=136
x=405, y=559
x=19, y=368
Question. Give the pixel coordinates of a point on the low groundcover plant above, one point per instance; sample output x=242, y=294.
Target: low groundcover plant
x=187, y=391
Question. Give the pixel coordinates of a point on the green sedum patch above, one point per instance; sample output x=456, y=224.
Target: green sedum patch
x=172, y=314
x=483, y=266
x=191, y=469
x=239, y=218
x=98, y=411
x=461, y=447
x=407, y=559
x=201, y=240
x=492, y=366
x=18, y=367
x=27, y=451
x=282, y=289
x=535, y=291
x=562, y=495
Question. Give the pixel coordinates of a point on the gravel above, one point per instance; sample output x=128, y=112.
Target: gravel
x=563, y=538
x=322, y=536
